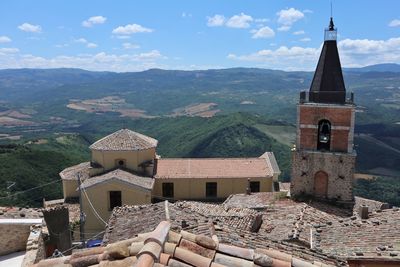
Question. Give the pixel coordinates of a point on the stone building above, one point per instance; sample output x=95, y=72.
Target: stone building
x=125, y=169
x=324, y=158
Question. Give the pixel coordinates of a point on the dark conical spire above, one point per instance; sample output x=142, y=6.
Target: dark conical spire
x=328, y=84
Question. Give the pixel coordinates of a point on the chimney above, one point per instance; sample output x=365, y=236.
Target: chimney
x=363, y=212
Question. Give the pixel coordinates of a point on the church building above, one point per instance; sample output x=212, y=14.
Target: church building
x=324, y=157
x=125, y=169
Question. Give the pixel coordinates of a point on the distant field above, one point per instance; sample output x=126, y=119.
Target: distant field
x=284, y=134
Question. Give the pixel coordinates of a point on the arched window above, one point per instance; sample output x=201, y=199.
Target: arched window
x=324, y=135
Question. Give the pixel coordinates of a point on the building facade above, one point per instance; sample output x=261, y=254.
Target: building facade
x=125, y=169
x=323, y=160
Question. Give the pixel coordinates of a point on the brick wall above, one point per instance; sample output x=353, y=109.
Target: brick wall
x=341, y=118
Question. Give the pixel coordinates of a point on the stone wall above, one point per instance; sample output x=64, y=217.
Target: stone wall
x=35, y=248
x=338, y=166
x=13, y=237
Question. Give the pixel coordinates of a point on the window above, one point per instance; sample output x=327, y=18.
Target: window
x=168, y=190
x=120, y=163
x=254, y=186
x=115, y=199
x=324, y=135
x=211, y=189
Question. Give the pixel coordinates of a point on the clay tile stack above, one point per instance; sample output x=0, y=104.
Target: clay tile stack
x=164, y=247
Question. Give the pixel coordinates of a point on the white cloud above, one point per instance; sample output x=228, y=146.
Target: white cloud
x=287, y=17
x=130, y=29
x=130, y=46
x=8, y=50
x=353, y=53
x=394, y=23
x=186, y=15
x=362, y=52
x=239, y=21
x=299, y=32
x=91, y=45
x=123, y=37
x=26, y=27
x=215, y=21
x=308, y=11
x=61, y=45
x=81, y=40
x=263, y=20
x=93, y=20
x=306, y=39
x=283, y=28
x=149, y=56
x=264, y=32
x=4, y=39
x=100, y=61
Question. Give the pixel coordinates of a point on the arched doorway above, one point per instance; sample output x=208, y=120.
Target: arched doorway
x=321, y=184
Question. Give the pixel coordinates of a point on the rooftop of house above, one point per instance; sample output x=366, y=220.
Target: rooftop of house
x=124, y=140
x=20, y=213
x=188, y=215
x=213, y=168
x=121, y=176
x=312, y=231
x=164, y=245
x=71, y=173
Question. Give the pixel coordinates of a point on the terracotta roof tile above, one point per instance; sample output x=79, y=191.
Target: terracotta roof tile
x=186, y=253
x=121, y=176
x=71, y=173
x=124, y=139
x=213, y=168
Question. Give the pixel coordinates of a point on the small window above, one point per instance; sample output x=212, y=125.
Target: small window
x=211, y=190
x=254, y=186
x=115, y=199
x=120, y=163
x=168, y=190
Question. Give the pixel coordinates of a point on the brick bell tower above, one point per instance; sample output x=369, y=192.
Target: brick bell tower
x=323, y=160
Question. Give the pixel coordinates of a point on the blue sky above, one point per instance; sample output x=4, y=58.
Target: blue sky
x=177, y=34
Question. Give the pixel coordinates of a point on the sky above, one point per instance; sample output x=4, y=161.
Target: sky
x=180, y=34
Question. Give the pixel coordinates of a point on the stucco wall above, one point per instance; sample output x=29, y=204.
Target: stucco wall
x=338, y=166
x=99, y=196
x=109, y=159
x=69, y=188
x=186, y=188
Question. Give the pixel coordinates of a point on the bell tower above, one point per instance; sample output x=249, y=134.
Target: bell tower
x=323, y=160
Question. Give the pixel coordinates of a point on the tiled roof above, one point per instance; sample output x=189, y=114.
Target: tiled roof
x=128, y=221
x=336, y=231
x=213, y=168
x=165, y=247
x=272, y=161
x=121, y=176
x=71, y=173
x=20, y=213
x=124, y=139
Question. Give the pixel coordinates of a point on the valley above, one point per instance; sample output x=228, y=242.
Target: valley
x=48, y=118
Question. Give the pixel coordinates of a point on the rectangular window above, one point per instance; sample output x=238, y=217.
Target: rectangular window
x=254, y=186
x=168, y=190
x=115, y=199
x=211, y=189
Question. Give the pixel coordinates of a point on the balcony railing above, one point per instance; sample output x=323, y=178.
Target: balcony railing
x=329, y=97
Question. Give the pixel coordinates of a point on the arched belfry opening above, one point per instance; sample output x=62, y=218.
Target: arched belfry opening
x=324, y=135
